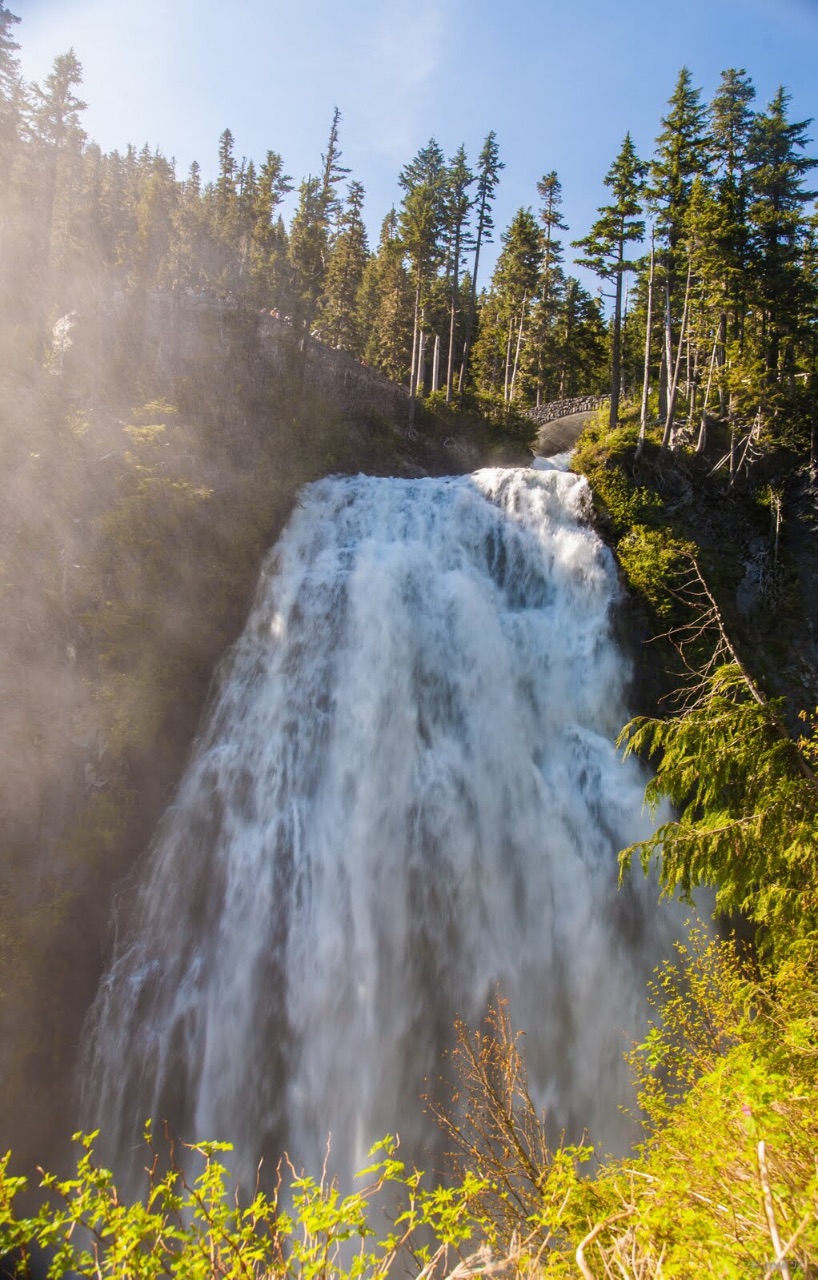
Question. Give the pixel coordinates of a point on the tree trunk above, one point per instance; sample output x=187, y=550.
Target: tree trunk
x=616, y=358
x=421, y=379
x=464, y=364
x=673, y=390
x=517, y=349
x=663, y=384
x=667, y=357
x=506, y=377
x=450, y=366
x=452, y=321
x=702, y=440
x=721, y=361
x=692, y=380
x=643, y=416
x=413, y=370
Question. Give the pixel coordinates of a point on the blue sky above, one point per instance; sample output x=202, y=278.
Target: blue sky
x=559, y=82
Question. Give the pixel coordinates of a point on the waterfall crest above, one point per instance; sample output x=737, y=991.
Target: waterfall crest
x=406, y=792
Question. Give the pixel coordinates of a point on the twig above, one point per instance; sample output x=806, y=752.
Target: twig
x=591, y=1237
x=769, y=1209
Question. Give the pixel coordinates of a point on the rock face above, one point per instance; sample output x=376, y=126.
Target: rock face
x=186, y=335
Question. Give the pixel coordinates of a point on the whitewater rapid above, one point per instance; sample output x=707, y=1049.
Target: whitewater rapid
x=406, y=792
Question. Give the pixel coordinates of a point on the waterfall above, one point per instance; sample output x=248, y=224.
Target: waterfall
x=406, y=793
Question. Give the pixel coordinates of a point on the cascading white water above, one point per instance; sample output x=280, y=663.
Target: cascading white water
x=406, y=793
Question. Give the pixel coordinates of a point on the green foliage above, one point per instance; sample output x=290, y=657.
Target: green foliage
x=725, y=1185
x=437, y=403
x=604, y=456
x=747, y=807
x=651, y=558
x=196, y=1228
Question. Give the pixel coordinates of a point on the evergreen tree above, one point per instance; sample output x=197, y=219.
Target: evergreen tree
x=17, y=265
x=778, y=225
x=705, y=231
x=222, y=201
x=56, y=123
x=579, y=343
x=552, y=282
x=488, y=357
x=310, y=233
x=307, y=250
x=190, y=239
x=619, y=224
x=152, y=265
x=246, y=201
x=515, y=281
x=683, y=152
x=421, y=223
x=385, y=304
x=489, y=165
x=226, y=181
x=550, y=191
x=338, y=319
x=10, y=91
x=54, y=165
x=731, y=118
x=332, y=173
x=458, y=206
x=269, y=243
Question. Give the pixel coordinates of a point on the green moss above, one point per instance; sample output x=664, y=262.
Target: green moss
x=651, y=560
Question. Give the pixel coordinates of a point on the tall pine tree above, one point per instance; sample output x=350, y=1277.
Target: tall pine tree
x=421, y=221
x=619, y=224
x=489, y=165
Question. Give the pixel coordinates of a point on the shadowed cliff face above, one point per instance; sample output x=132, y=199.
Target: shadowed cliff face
x=142, y=483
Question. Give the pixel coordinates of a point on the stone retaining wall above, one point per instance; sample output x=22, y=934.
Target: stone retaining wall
x=564, y=408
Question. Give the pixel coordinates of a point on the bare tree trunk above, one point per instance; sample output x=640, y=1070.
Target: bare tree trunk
x=643, y=416
x=506, y=378
x=701, y=443
x=517, y=348
x=667, y=356
x=663, y=384
x=692, y=381
x=721, y=361
x=616, y=347
x=673, y=390
x=413, y=370
x=453, y=315
x=421, y=363
x=436, y=368
x=776, y=518
x=464, y=363
x=450, y=367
